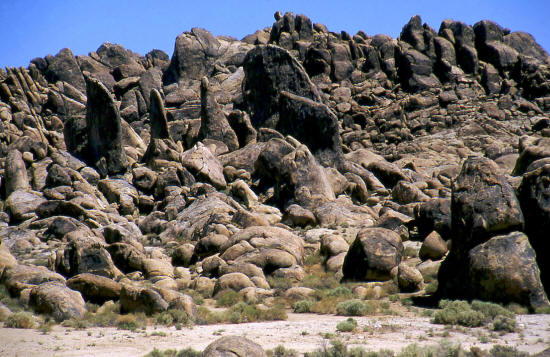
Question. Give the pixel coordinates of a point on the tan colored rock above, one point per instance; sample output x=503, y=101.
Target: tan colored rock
x=433, y=247
x=233, y=281
x=409, y=278
x=201, y=161
x=95, y=288
x=56, y=299
x=233, y=346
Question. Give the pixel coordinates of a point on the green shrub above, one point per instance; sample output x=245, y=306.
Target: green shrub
x=281, y=351
x=351, y=308
x=20, y=320
x=506, y=351
x=340, y=291
x=303, y=306
x=491, y=310
x=347, y=325
x=75, y=323
x=164, y=318
x=504, y=323
x=458, y=313
x=130, y=322
x=477, y=314
x=227, y=298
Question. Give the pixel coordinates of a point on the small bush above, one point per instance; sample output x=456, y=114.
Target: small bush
x=340, y=291
x=105, y=315
x=504, y=323
x=172, y=317
x=506, y=351
x=227, y=298
x=356, y=308
x=458, y=313
x=78, y=324
x=303, y=306
x=20, y=320
x=491, y=310
x=347, y=326
x=351, y=308
x=281, y=351
x=188, y=352
x=130, y=322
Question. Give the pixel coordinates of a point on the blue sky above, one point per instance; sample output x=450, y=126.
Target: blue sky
x=35, y=28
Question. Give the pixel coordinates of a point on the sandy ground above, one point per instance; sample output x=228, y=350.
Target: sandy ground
x=302, y=332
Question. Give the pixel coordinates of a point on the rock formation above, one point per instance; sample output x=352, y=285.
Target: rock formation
x=399, y=161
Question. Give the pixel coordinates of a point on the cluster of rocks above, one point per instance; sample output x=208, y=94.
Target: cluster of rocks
x=132, y=178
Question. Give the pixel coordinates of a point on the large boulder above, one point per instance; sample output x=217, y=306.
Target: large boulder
x=22, y=205
x=491, y=48
x=134, y=299
x=234, y=346
x=483, y=204
x=120, y=192
x=56, y=299
x=6, y=259
x=214, y=124
x=204, y=165
x=16, y=173
x=104, y=130
x=64, y=67
x=85, y=254
x=504, y=269
x=19, y=277
x=194, y=55
x=312, y=124
x=269, y=70
x=269, y=248
x=295, y=172
x=530, y=150
x=95, y=288
x=234, y=281
x=373, y=255
x=534, y=194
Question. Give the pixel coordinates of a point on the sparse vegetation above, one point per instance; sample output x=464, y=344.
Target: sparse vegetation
x=506, y=351
x=240, y=313
x=474, y=315
x=303, y=306
x=281, y=351
x=21, y=319
x=188, y=352
x=227, y=298
x=130, y=322
x=347, y=326
x=356, y=308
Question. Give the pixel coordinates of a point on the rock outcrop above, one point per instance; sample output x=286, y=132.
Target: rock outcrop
x=390, y=162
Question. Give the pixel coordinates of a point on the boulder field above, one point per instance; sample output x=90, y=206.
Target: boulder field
x=403, y=161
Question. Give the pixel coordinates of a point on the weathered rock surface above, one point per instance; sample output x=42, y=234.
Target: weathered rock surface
x=136, y=177
x=233, y=346
x=373, y=255
x=104, y=130
x=56, y=299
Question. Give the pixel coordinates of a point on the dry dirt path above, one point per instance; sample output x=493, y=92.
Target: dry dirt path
x=302, y=332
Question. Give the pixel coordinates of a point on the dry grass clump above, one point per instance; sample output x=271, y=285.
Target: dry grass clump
x=20, y=319
x=188, y=352
x=240, y=313
x=228, y=298
x=131, y=322
x=173, y=317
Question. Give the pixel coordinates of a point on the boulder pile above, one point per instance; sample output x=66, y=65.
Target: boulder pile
x=402, y=161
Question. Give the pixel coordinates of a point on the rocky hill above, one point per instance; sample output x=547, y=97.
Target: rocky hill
x=136, y=178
